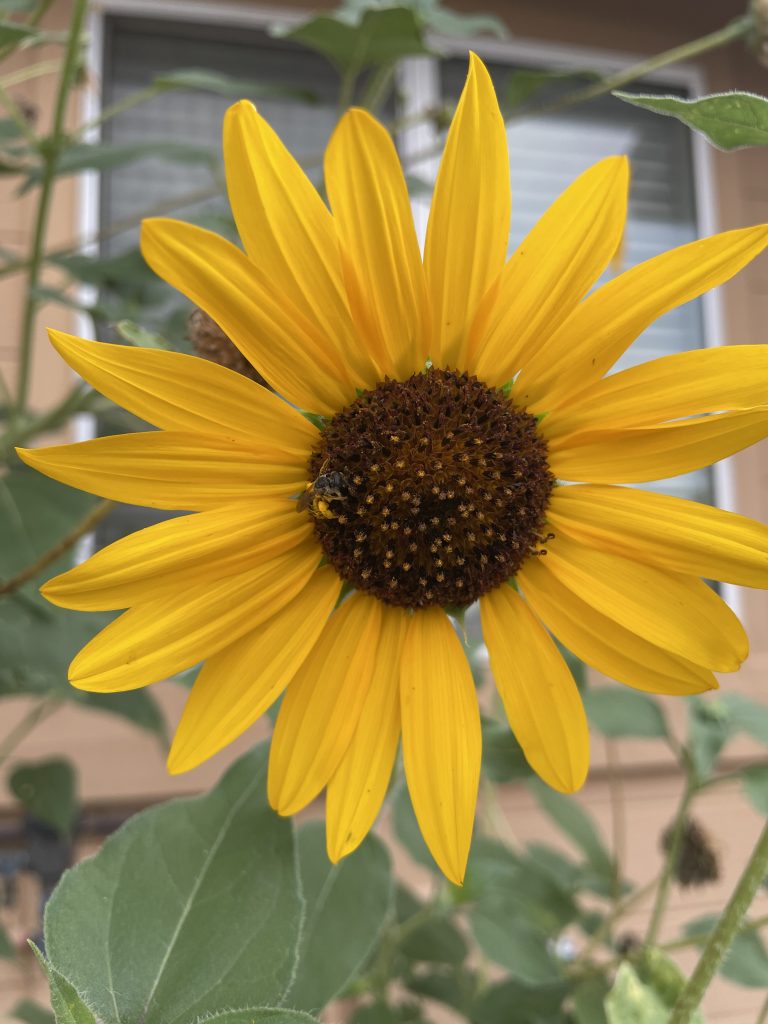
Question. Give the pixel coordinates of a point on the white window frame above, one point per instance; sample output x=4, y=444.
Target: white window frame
x=418, y=78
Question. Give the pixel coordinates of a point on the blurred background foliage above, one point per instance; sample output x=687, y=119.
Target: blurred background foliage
x=212, y=908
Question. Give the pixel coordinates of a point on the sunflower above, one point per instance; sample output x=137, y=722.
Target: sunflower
x=447, y=399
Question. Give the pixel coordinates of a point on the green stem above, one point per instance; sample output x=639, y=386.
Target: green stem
x=22, y=729
x=90, y=522
x=44, y=67
x=725, y=932
x=21, y=431
x=50, y=161
x=377, y=88
x=673, y=856
x=606, y=926
x=347, y=88
x=736, y=29
x=134, y=100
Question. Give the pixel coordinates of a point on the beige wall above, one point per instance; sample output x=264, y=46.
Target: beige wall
x=119, y=767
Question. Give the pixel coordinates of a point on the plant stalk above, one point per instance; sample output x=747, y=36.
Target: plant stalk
x=50, y=160
x=726, y=930
x=22, y=729
x=736, y=29
x=662, y=893
x=94, y=517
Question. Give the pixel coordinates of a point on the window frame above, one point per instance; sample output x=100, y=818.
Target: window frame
x=419, y=82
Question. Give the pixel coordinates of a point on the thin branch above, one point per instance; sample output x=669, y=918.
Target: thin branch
x=673, y=856
x=100, y=512
x=22, y=729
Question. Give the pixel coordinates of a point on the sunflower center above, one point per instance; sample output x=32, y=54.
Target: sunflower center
x=429, y=491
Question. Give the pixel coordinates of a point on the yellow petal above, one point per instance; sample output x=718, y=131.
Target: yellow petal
x=168, y=469
x=180, y=392
x=161, y=559
x=288, y=231
x=551, y=271
x=605, y=645
x=322, y=705
x=237, y=685
x=159, y=638
x=468, y=228
x=602, y=327
x=637, y=454
x=372, y=212
x=540, y=697
x=704, y=380
x=441, y=738
x=359, y=785
x=274, y=336
x=664, y=531
x=680, y=614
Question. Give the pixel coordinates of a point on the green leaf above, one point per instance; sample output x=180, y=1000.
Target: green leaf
x=407, y=829
x=453, y=23
x=747, y=716
x=138, y=707
x=526, y=84
x=456, y=987
x=140, y=336
x=347, y=906
x=732, y=120
x=632, y=1002
x=68, y=1005
x=619, y=711
x=30, y=1012
x=522, y=888
x=380, y=1012
x=48, y=791
x=38, y=640
x=660, y=975
x=436, y=941
x=709, y=729
x=512, y=943
x=260, y=1015
x=192, y=906
x=226, y=85
x=105, y=156
x=589, y=999
x=354, y=39
x=7, y=951
x=511, y=1002
x=12, y=32
x=574, y=821
x=127, y=273
x=503, y=757
x=755, y=782
x=576, y=665
x=746, y=962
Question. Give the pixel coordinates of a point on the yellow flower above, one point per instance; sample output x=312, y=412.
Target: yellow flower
x=455, y=392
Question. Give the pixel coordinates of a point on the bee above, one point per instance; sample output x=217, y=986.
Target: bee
x=319, y=496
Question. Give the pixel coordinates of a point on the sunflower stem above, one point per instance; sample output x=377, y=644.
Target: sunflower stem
x=725, y=931
x=50, y=155
x=739, y=28
x=673, y=855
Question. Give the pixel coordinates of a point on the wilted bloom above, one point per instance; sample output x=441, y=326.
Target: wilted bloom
x=451, y=395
